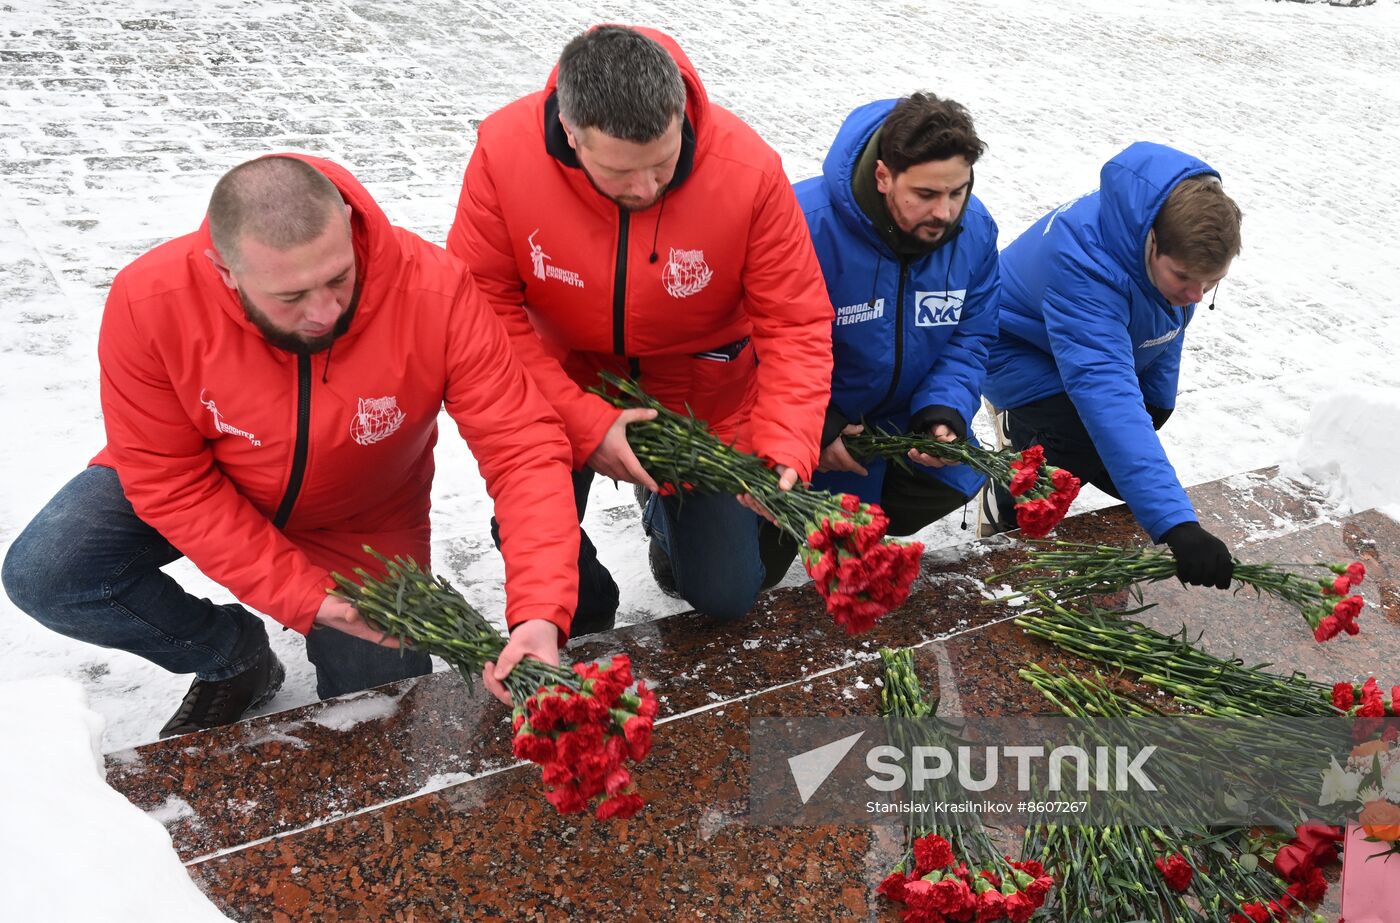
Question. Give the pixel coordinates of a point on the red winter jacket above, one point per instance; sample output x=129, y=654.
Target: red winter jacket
x=203, y=417
x=733, y=260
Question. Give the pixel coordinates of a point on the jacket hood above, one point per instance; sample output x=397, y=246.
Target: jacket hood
x=838, y=172
x=697, y=101
x=376, y=248
x=1132, y=188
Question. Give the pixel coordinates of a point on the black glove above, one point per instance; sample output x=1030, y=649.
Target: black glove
x=928, y=417
x=1201, y=558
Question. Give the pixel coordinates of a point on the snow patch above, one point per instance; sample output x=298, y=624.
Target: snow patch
x=1350, y=445
x=62, y=820
x=172, y=810
x=347, y=713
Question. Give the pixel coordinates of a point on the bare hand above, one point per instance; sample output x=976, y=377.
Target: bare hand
x=836, y=457
x=943, y=434
x=615, y=459
x=787, y=478
x=342, y=616
x=535, y=638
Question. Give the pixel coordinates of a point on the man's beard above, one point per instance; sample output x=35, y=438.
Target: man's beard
x=294, y=343
x=630, y=203
x=939, y=228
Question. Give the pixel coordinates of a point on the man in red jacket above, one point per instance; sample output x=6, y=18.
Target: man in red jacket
x=270, y=388
x=617, y=220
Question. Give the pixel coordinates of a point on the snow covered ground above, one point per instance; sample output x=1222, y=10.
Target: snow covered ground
x=115, y=120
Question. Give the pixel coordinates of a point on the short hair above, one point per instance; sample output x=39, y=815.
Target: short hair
x=282, y=202
x=620, y=81
x=923, y=127
x=1199, y=225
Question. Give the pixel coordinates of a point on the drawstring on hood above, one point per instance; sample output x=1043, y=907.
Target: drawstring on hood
x=875, y=281
x=326, y=371
x=656, y=233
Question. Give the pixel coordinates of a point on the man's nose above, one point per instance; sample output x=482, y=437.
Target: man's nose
x=324, y=309
x=644, y=186
x=1195, y=292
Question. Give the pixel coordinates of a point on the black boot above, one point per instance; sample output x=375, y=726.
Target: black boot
x=212, y=704
x=661, y=570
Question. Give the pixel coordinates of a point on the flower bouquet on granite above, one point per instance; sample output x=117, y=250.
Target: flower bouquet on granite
x=936, y=880
x=1066, y=571
x=1043, y=493
x=583, y=725
x=1370, y=777
x=1185, y=872
x=860, y=574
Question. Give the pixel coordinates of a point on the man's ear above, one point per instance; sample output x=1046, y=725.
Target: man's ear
x=225, y=273
x=569, y=133
x=884, y=179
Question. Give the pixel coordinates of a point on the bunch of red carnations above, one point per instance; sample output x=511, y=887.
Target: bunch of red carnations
x=582, y=733
x=582, y=725
x=1043, y=493
x=859, y=572
x=1065, y=571
x=939, y=888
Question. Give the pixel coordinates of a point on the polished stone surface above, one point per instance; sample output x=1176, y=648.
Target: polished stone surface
x=402, y=803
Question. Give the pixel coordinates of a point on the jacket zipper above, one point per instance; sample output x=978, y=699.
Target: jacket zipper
x=898, y=334
x=620, y=285
x=289, y=499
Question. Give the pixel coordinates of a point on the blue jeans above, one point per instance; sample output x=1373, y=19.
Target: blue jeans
x=712, y=542
x=89, y=568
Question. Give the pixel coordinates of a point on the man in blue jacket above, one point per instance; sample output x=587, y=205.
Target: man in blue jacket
x=910, y=260
x=1095, y=301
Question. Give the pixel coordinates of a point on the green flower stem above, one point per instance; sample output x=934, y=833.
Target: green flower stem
x=429, y=614
x=681, y=451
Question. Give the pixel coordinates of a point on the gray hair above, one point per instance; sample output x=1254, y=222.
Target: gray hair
x=281, y=202
x=620, y=81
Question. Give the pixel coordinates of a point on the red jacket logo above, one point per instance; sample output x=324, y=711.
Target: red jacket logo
x=686, y=273
x=377, y=419
x=224, y=427
x=544, y=269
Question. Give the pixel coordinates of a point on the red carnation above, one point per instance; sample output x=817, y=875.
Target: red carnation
x=1372, y=702
x=1176, y=870
x=893, y=886
x=1312, y=886
x=537, y=748
x=1019, y=907
x=567, y=799
x=991, y=905
x=931, y=852
x=952, y=896
x=621, y=806
x=1343, y=696
x=1327, y=629
x=1356, y=572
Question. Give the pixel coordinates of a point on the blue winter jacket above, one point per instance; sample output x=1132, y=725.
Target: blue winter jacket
x=1079, y=315
x=908, y=336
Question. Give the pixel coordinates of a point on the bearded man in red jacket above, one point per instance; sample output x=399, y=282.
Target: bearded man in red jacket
x=270, y=388
x=618, y=221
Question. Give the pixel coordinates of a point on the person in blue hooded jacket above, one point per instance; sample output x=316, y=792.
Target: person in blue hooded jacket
x=1096, y=297
x=910, y=261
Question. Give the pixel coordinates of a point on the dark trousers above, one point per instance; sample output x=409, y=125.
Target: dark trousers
x=596, y=608
x=88, y=567
x=1054, y=424
x=910, y=500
